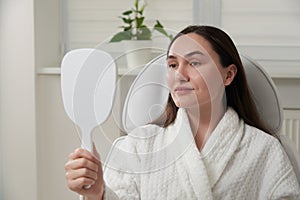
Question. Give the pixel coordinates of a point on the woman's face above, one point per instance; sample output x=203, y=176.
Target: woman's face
x=195, y=76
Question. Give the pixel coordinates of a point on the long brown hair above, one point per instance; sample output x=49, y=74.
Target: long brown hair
x=238, y=95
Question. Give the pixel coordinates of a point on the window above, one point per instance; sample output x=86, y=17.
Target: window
x=267, y=31
x=90, y=22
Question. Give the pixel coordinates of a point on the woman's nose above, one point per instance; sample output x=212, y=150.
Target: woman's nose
x=181, y=73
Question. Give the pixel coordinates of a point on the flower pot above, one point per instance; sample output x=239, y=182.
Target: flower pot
x=138, y=52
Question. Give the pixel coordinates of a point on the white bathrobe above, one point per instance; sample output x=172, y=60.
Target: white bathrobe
x=237, y=162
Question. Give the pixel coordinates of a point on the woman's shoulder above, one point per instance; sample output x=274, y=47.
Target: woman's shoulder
x=266, y=151
x=261, y=141
x=262, y=154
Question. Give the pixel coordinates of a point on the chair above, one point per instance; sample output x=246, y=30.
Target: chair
x=148, y=96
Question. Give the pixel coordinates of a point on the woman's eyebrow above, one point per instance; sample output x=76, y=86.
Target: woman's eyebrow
x=187, y=55
x=171, y=57
x=193, y=53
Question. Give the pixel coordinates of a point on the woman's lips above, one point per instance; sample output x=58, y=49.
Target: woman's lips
x=183, y=90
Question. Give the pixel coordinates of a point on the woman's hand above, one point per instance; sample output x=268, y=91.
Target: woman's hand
x=83, y=168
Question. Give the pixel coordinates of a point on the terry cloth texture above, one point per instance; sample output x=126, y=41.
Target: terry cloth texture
x=237, y=162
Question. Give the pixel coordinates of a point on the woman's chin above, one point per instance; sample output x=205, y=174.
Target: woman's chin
x=187, y=104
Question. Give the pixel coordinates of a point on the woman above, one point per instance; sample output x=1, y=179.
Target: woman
x=211, y=144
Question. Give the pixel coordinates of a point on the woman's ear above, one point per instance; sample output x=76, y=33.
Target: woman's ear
x=230, y=72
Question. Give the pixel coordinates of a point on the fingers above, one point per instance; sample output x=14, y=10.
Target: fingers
x=81, y=163
x=82, y=153
x=82, y=172
x=82, y=169
x=78, y=184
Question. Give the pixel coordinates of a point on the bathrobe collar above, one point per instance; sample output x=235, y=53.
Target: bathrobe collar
x=219, y=148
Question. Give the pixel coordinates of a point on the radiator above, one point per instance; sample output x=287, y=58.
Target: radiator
x=291, y=127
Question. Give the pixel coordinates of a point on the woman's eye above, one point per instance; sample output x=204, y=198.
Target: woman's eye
x=172, y=65
x=195, y=63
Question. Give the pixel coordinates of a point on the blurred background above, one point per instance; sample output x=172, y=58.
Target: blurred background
x=36, y=135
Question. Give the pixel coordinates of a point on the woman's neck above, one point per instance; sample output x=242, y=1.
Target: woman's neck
x=203, y=121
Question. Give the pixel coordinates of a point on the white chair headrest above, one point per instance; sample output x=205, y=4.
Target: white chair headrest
x=264, y=93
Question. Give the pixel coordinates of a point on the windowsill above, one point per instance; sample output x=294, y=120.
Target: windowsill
x=57, y=71
x=274, y=72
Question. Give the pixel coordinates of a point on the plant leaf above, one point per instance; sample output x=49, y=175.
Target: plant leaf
x=143, y=33
x=139, y=21
x=128, y=12
x=127, y=28
x=142, y=9
x=159, y=27
x=127, y=20
x=124, y=35
x=136, y=4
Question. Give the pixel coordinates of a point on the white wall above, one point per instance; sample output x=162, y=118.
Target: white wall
x=55, y=133
x=17, y=100
x=268, y=31
x=56, y=139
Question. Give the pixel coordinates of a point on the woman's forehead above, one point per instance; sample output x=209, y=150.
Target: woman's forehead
x=188, y=43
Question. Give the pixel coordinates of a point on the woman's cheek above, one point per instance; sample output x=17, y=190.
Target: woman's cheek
x=170, y=80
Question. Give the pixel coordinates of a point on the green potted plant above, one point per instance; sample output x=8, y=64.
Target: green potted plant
x=134, y=28
x=137, y=35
